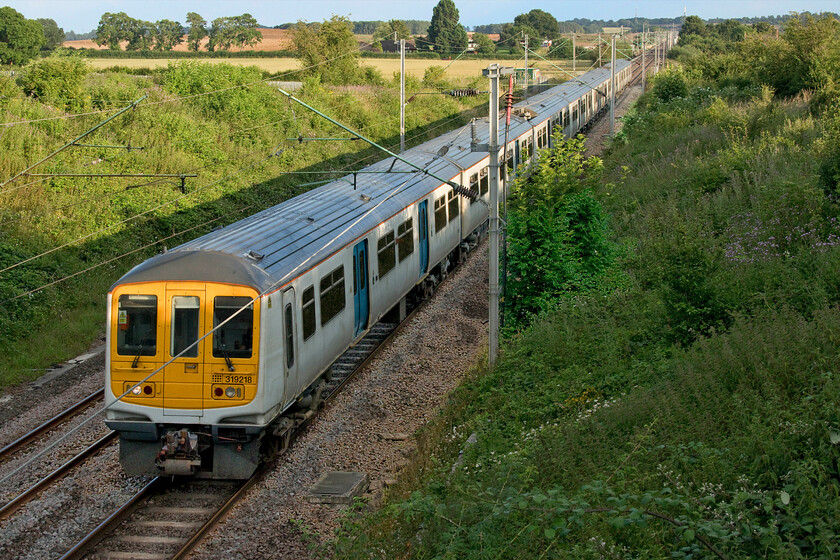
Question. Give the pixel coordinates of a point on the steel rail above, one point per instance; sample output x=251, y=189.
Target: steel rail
x=12, y=506
x=92, y=539
x=49, y=425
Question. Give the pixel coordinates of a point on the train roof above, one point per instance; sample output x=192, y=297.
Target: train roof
x=271, y=247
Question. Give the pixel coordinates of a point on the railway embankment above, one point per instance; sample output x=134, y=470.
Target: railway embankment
x=689, y=410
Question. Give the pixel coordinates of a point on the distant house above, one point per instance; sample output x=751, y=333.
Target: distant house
x=389, y=45
x=471, y=46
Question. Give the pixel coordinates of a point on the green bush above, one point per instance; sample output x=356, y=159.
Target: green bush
x=670, y=84
x=58, y=81
x=557, y=233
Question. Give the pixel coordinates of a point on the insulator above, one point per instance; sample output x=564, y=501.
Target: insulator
x=465, y=92
x=464, y=191
x=508, y=100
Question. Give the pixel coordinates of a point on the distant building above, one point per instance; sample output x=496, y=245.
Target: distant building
x=471, y=46
x=389, y=45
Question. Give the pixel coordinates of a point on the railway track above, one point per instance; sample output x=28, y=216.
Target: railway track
x=33, y=491
x=34, y=435
x=166, y=520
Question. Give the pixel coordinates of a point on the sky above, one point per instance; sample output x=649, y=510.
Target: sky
x=82, y=16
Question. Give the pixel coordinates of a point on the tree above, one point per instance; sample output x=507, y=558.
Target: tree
x=237, y=31
x=167, y=34
x=198, y=31
x=114, y=28
x=140, y=35
x=693, y=25
x=730, y=30
x=763, y=27
x=387, y=30
x=445, y=31
x=514, y=36
x=483, y=44
x=20, y=38
x=53, y=34
x=329, y=50
x=543, y=22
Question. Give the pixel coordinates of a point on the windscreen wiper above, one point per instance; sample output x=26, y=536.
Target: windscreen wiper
x=225, y=354
x=137, y=358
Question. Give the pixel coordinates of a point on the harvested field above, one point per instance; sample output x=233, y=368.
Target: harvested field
x=460, y=70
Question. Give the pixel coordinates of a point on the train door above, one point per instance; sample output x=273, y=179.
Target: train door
x=360, y=287
x=292, y=384
x=183, y=379
x=423, y=218
x=517, y=155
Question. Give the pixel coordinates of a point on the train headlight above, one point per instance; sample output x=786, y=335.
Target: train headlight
x=136, y=390
x=230, y=392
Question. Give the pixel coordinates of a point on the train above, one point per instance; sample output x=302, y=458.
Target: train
x=216, y=348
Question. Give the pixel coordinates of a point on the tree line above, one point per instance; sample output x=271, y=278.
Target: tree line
x=223, y=33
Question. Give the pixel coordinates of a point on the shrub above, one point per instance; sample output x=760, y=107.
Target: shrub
x=57, y=80
x=670, y=84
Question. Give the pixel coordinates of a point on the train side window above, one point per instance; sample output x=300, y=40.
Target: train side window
x=387, y=253
x=290, y=336
x=308, y=308
x=474, y=186
x=332, y=294
x=484, y=181
x=235, y=338
x=185, y=314
x=440, y=214
x=454, y=206
x=405, y=239
x=137, y=325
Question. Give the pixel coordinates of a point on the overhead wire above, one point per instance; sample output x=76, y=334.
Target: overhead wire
x=131, y=218
x=274, y=152
x=195, y=343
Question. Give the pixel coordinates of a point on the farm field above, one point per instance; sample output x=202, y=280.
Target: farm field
x=459, y=70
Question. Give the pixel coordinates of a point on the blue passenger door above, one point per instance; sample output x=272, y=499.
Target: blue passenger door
x=424, y=236
x=360, y=287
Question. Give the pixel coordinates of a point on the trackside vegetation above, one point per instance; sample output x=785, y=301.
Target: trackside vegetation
x=680, y=398
x=65, y=240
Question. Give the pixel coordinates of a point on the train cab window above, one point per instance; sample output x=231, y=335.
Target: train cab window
x=235, y=338
x=474, y=186
x=405, y=239
x=137, y=325
x=484, y=181
x=308, y=308
x=440, y=214
x=332, y=294
x=185, y=315
x=454, y=205
x=288, y=325
x=387, y=253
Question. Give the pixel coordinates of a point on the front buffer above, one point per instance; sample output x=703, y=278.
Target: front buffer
x=229, y=452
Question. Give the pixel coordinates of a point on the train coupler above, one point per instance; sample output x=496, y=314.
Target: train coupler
x=178, y=454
